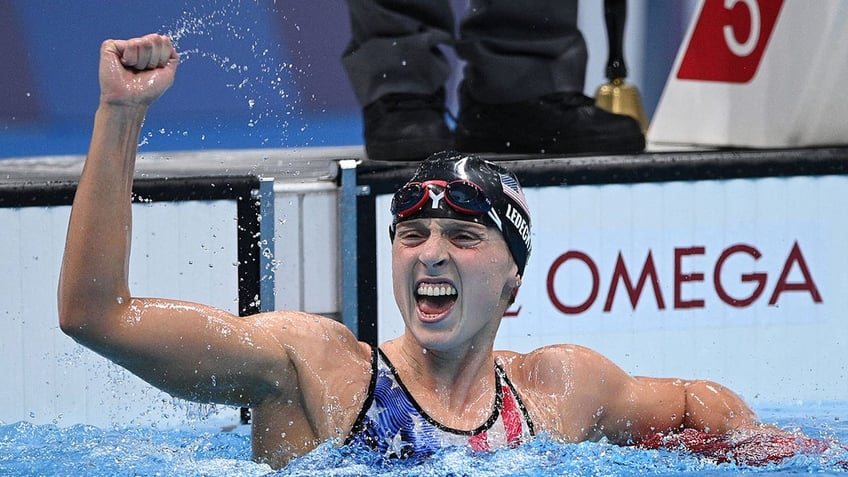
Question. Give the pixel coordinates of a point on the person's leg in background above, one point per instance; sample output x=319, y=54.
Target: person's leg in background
x=523, y=83
x=398, y=74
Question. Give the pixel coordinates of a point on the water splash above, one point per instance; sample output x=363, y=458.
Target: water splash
x=228, y=35
x=541, y=457
x=204, y=449
x=29, y=449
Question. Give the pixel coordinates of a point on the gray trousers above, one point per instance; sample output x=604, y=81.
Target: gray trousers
x=513, y=49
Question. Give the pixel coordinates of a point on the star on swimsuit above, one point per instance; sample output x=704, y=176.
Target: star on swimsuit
x=393, y=423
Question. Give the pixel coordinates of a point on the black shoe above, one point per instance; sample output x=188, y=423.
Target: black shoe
x=560, y=123
x=406, y=127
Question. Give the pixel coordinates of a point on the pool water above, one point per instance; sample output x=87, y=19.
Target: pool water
x=203, y=449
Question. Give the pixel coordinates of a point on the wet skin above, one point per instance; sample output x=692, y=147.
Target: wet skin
x=306, y=376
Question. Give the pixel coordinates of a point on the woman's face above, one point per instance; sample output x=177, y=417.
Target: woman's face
x=452, y=281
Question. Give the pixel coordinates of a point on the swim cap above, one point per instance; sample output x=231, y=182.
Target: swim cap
x=464, y=187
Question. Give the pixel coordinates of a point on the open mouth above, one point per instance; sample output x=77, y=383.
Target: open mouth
x=435, y=298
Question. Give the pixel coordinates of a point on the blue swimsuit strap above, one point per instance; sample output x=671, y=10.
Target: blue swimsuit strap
x=358, y=424
x=500, y=376
x=496, y=409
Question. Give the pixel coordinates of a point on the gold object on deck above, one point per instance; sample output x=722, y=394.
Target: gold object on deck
x=621, y=97
x=618, y=96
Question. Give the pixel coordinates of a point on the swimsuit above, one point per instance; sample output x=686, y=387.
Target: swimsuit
x=392, y=423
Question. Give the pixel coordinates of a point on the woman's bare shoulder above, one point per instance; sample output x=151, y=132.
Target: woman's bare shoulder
x=547, y=354
x=551, y=365
x=312, y=341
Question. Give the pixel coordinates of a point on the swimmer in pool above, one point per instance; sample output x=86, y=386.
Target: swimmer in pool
x=460, y=241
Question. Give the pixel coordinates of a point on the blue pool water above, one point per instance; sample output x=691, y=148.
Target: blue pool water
x=203, y=449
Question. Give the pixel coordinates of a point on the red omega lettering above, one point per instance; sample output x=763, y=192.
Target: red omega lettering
x=758, y=277
x=795, y=256
x=593, y=269
x=620, y=273
x=680, y=278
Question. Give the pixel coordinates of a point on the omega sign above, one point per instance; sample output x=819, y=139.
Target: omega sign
x=642, y=281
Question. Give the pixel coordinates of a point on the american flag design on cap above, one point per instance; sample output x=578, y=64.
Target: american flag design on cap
x=512, y=189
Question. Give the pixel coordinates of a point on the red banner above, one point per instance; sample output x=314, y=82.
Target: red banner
x=729, y=40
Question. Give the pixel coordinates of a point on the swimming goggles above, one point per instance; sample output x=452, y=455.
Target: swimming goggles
x=463, y=196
